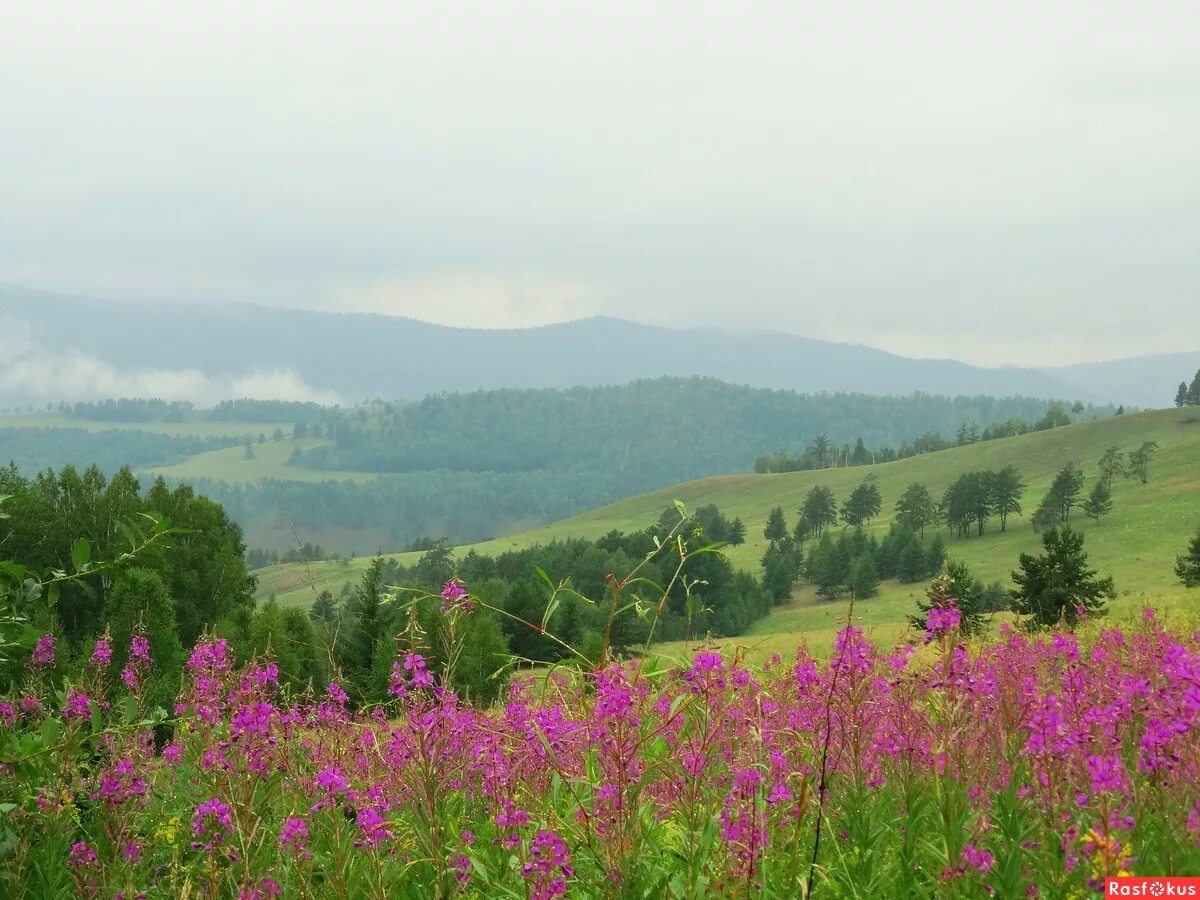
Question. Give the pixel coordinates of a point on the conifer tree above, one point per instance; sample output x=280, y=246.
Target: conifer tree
x=1187, y=567
x=1054, y=586
x=1099, y=502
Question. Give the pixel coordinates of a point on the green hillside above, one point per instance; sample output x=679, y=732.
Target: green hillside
x=1137, y=543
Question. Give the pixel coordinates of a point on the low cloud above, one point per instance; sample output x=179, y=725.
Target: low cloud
x=480, y=301
x=33, y=373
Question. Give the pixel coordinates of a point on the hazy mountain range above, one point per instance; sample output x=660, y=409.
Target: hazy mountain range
x=70, y=348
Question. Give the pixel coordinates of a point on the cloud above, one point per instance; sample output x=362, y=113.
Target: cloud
x=482, y=301
x=33, y=373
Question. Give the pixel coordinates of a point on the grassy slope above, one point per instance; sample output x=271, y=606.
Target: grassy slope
x=174, y=429
x=270, y=461
x=1137, y=543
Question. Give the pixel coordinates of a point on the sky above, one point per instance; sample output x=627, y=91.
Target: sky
x=996, y=182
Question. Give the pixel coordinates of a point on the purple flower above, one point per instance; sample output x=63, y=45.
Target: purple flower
x=82, y=856
x=102, y=655
x=455, y=596
x=549, y=866
x=977, y=858
x=77, y=705
x=211, y=825
x=43, y=652
x=373, y=827
x=941, y=619
x=293, y=836
x=139, y=649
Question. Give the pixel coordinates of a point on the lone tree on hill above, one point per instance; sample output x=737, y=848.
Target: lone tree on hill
x=1099, y=502
x=1056, y=585
x=1181, y=395
x=1187, y=567
x=1139, y=461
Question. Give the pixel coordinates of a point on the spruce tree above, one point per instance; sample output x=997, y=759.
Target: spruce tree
x=1193, y=394
x=1181, y=395
x=937, y=554
x=1054, y=586
x=864, y=578
x=1099, y=502
x=1187, y=567
x=776, y=528
x=955, y=585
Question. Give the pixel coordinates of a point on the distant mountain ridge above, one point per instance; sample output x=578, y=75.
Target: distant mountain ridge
x=357, y=355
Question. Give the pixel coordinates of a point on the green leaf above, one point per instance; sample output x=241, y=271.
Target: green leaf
x=50, y=731
x=544, y=576
x=81, y=554
x=131, y=709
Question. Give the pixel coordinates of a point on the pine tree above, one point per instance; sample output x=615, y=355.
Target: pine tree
x=824, y=568
x=864, y=578
x=1139, y=461
x=1181, y=395
x=937, y=554
x=1054, y=586
x=820, y=509
x=1187, y=567
x=737, y=532
x=955, y=584
x=863, y=503
x=1111, y=462
x=1005, y=488
x=1193, y=394
x=913, y=562
x=776, y=528
x=915, y=509
x=1099, y=502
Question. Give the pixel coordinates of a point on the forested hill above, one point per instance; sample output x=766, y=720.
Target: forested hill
x=644, y=434
x=354, y=356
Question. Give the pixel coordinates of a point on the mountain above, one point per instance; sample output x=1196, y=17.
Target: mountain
x=1145, y=381
x=75, y=348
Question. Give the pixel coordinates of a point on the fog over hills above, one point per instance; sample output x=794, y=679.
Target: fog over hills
x=67, y=348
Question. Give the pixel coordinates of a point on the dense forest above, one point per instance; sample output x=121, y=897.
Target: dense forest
x=35, y=449
x=647, y=433
x=476, y=465
x=195, y=579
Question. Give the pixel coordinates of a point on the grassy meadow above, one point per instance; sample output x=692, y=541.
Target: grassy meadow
x=1137, y=543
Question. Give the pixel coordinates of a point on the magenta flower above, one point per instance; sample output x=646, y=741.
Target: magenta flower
x=77, y=705
x=43, y=652
x=102, y=655
x=293, y=836
x=82, y=856
x=549, y=866
x=212, y=824
x=374, y=828
x=455, y=596
x=940, y=620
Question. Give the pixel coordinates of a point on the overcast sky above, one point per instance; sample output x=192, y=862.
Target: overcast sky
x=998, y=182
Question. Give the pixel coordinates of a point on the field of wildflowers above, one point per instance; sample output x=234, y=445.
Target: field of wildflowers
x=1024, y=765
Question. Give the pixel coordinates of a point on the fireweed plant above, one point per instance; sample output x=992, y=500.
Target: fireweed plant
x=1028, y=765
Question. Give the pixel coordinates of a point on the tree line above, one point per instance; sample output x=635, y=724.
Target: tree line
x=822, y=454
x=1188, y=395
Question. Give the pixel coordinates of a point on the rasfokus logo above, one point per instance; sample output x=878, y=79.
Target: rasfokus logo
x=1149, y=886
